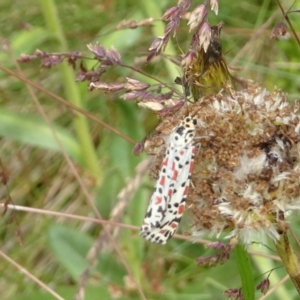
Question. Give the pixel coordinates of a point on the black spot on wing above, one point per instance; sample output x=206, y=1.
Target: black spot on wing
x=180, y=130
x=149, y=212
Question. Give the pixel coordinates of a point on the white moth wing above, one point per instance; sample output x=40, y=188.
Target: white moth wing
x=168, y=225
x=163, y=188
x=168, y=200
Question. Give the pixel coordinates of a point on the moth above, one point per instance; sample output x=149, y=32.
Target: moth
x=167, y=203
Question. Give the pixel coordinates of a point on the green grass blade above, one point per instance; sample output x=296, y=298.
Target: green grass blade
x=32, y=130
x=245, y=270
x=72, y=91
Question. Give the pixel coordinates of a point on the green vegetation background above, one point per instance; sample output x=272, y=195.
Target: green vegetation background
x=54, y=248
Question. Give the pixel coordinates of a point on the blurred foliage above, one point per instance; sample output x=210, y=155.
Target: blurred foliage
x=54, y=249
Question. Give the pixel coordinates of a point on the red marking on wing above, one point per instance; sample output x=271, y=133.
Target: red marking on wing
x=162, y=180
x=165, y=161
x=158, y=200
x=173, y=166
x=174, y=172
x=181, y=209
x=186, y=190
x=170, y=192
x=175, y=175
x=181, y=152
x=174, y=225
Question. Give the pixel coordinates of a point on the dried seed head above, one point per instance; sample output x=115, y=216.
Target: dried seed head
x=197, y=16
x=106, y=56
x=264, y=286
x=214, y=5
x=204, y=34
x=280, y=31
x=247, y=167
x=204, y=66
